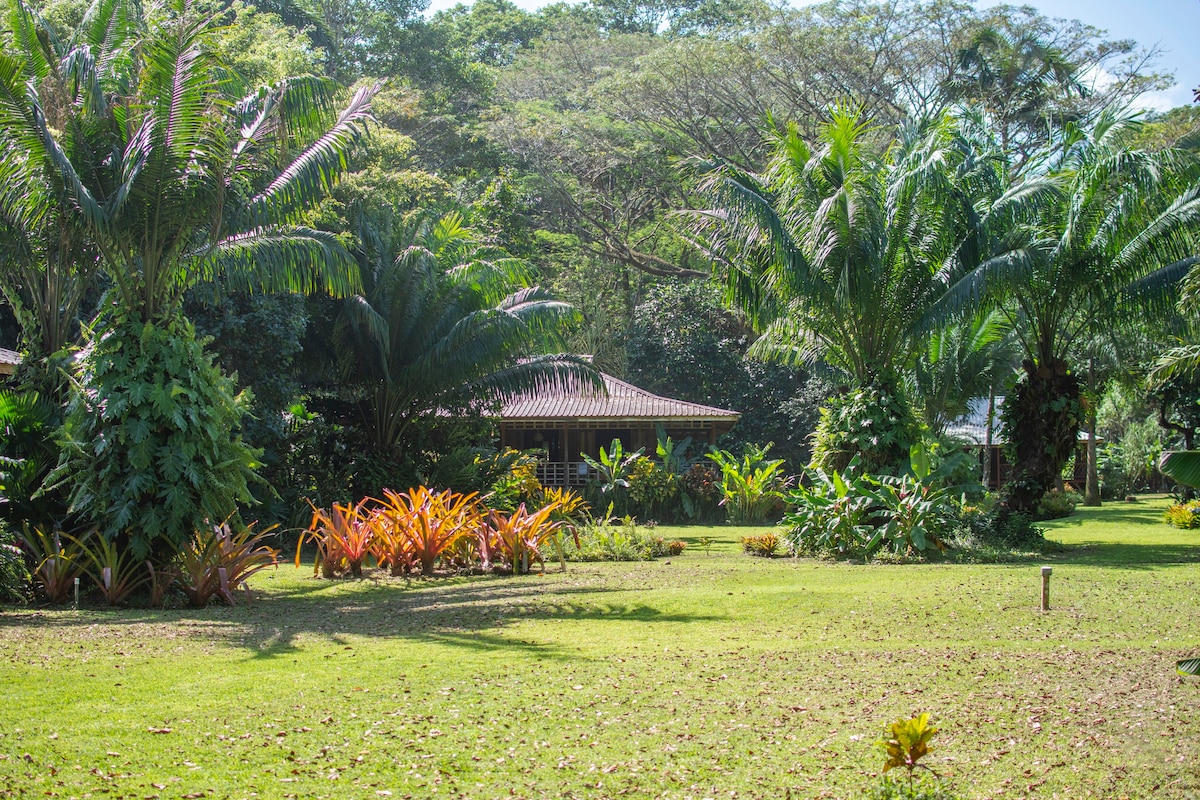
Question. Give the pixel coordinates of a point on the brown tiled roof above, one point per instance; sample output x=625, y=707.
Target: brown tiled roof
x=8, y=361
x=572, y=400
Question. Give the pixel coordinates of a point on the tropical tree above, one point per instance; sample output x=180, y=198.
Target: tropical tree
x=1178, y=365
x=966, y=359
x=181, y=182
x=445, y=322
x=46, y=256
x=837, y=253
x=1023, y=82
x=1117, y=236
x=174, y=182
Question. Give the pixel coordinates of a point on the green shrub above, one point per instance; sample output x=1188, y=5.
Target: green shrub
x=752, y=486
x=914, y=514
x=653, y=489
x=832, y=516
x=1183, y=515
x=616, y=540
x=14, y=578
x=979, y=535
x=151, y=449
x=874, y=422
x=512, y=476
x=27, y=455
x=700, y=492
x=1056, y=505
x=765, y=545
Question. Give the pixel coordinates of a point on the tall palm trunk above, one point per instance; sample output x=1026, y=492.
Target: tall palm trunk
x=987, y=449
x=1092, y=494
x=1041, y=418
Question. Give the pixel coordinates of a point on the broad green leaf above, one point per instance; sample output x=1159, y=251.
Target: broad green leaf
x=1182, y=466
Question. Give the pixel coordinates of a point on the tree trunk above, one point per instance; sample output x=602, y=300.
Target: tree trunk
x=1091, y=496
x=1041, y=420
x=987, y=449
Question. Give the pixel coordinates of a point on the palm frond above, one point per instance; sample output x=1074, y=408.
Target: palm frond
x=275, y=260
x=315, y=171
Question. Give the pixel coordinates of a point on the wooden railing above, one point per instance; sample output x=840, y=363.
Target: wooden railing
x=564, y=473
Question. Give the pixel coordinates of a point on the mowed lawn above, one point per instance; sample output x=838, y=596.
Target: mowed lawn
x=709, y=675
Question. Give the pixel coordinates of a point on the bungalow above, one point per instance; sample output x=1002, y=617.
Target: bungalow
x=972, y=430
x=573, y=418
x=9, y=360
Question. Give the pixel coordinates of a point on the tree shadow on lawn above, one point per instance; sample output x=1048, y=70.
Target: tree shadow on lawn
x=1100, y=553
x=471, y=613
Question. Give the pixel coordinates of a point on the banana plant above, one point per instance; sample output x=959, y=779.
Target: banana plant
x=677, y=457
x=613, y=466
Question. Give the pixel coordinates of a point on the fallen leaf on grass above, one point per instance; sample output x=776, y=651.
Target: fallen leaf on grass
x=158, y=730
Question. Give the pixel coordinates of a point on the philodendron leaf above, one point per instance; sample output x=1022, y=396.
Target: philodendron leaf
x=1188, y=666
x=1182, y=466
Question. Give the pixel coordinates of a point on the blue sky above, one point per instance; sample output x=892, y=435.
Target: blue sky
x=1172, y=25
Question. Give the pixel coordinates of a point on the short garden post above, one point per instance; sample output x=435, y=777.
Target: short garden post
x=1046, y=588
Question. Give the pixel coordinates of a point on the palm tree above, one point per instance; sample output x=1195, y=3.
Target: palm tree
x=838, y=252
x=1023, y=84
x=173, y=182
x=966, y=359
x=46, y=256
x=1116, y=240
x=177, y=182
x=445, y=323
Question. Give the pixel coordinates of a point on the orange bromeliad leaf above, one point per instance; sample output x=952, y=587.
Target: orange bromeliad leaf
x=425, y=524
x=343, y=538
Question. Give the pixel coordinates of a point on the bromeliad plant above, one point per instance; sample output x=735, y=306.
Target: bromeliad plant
x=217, y=561
x=343, y=537
x=517, y=539
x=112, y=568
x=569, y=507
x=418, y=526
x=57, y=563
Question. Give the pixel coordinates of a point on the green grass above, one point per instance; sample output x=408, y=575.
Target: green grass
x=715, y=675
